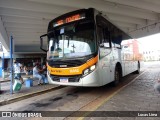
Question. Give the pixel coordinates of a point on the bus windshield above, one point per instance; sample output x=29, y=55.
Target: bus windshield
x=72, y=40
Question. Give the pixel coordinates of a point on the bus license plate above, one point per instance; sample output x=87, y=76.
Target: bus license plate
x=64, y=80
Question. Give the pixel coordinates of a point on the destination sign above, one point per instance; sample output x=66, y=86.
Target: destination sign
x=69, y=19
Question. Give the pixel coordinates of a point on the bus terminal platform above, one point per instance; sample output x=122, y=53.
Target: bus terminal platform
x=25, y=92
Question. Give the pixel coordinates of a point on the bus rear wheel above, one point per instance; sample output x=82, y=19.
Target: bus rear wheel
x=138, y=68
x=117, y=76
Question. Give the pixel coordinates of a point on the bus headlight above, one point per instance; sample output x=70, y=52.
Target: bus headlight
x=89, y=70
x=86, y=71
x=92, y=67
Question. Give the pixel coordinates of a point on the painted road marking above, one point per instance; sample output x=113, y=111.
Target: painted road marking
x=101, y=100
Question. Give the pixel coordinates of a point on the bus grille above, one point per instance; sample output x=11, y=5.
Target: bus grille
x=69, y=63
x=70, y=78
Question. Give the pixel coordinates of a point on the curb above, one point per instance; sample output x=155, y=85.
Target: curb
x=19, y=98
x=2, y=81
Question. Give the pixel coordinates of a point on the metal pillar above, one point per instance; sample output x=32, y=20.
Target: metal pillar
x=11, y=63
x=2, y=69
x=3, y=74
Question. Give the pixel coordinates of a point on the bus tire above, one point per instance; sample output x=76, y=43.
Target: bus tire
x=138, y=69
x=117, y=75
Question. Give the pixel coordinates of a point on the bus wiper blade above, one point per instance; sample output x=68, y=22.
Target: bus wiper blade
x=71, y=62
x=68, y=62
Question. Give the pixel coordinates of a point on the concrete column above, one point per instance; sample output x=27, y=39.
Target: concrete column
x=3, y=36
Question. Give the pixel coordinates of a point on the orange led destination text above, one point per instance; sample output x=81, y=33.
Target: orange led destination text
x=60, y=22
x=73, y=18
x=69, y=19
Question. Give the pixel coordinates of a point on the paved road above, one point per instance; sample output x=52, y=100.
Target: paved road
x=138, y=96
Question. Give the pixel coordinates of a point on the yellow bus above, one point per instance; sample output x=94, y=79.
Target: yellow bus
x=84, y=49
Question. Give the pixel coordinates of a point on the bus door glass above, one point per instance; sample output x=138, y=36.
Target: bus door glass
x=103, y=38
x=104, y=49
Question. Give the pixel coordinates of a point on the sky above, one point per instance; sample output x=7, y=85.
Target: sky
x=150, y=42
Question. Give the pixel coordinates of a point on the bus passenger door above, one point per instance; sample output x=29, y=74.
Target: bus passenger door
x=104, y=54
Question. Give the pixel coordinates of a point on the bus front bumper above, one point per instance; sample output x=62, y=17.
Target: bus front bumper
x=90, y=80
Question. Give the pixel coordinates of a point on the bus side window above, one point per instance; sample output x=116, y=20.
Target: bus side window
x=103, y=32
x=104, y=38
x=103, y=42
x=107, y=38
x=101, y=36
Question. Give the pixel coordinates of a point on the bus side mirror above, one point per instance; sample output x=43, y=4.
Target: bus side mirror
x=42, y=45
